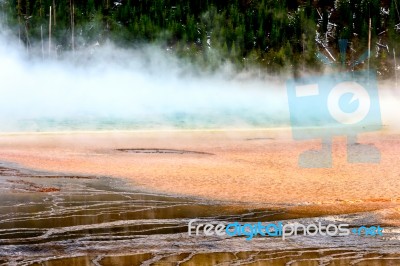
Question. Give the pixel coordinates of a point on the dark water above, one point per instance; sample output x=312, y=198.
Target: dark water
x=48, y=219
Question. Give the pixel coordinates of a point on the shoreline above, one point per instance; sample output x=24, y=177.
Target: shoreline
x=288, y=128
x=22, y=177
x=48, y=226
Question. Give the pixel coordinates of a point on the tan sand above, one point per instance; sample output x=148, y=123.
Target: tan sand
x=248, y=166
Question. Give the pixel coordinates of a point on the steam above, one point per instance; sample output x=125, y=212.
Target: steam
x=114, y=88
x=389, y=95
x=107, y=88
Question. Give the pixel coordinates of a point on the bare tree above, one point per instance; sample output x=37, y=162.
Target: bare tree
x=72, y=12
x=50, y=32
x=54, y=13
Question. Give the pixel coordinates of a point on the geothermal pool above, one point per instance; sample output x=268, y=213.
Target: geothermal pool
x=112, y=198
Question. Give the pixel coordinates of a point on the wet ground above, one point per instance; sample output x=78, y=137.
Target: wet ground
x=56, y=219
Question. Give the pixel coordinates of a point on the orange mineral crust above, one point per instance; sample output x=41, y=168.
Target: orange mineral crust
x=236, y=165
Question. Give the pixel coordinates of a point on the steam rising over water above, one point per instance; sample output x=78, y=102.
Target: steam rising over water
x=112, y=88
x=105, y=88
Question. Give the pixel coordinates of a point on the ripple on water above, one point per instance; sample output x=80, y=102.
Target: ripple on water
x=100, y=221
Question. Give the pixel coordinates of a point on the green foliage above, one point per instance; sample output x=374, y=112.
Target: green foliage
x=275, y=34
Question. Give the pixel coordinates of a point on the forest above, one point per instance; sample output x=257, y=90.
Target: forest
x=277, y=36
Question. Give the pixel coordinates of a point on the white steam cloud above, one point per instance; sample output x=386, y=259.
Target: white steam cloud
x=113, y=88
